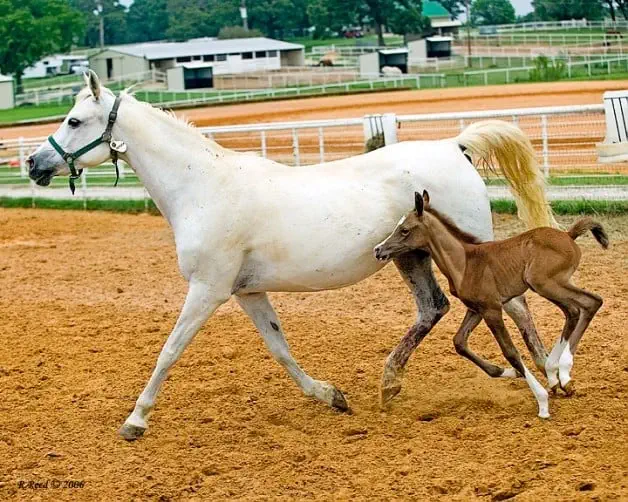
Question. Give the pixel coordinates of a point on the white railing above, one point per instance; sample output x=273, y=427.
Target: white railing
x=563, y=25
x=59, y=93
x=564, y=139
x=538, y=39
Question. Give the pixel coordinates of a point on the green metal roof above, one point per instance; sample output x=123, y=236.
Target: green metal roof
x=434, y=9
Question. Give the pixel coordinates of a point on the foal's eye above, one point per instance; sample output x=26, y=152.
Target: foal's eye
x=74, y=123
x=405, y=232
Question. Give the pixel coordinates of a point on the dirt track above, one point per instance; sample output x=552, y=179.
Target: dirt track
x=402, y=102
x=87, y=299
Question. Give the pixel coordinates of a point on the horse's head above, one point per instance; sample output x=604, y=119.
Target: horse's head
x=83, y=125
x=409, y=234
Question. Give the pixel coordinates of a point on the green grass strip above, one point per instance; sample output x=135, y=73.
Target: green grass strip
x=611, y=207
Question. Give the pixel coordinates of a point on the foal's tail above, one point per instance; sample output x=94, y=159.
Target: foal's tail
x=585, y=224
x=498, y=142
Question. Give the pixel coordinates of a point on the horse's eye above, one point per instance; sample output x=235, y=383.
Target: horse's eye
x=405, y=232
x=74, y=123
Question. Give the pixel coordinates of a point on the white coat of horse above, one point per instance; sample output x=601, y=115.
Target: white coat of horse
x=244, y=225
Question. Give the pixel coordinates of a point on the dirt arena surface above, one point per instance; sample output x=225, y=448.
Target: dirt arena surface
x=87, y=300
x=400, y=102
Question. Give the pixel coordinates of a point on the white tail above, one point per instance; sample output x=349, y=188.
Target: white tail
x=493, y=142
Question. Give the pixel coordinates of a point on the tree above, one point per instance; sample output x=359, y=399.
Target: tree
x=552, y=10
x=147, y=20
x=113, y=15
x=332, y=15
x=406, y=17
x=492, y=12
x=617, y=5
x=32, y=29
x=455, y=7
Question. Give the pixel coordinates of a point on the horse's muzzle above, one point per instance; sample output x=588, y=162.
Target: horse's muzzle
x=42, y=177
x=381, y=254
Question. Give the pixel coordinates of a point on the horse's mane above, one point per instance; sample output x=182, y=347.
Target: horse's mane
x=453, y=228
x=167, y=115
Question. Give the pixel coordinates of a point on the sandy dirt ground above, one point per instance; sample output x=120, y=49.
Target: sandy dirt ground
x=400, y=102
x=87, y=300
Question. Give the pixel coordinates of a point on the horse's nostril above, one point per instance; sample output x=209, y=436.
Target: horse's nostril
x=31, y=162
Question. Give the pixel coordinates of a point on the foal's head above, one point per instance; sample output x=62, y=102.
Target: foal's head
x=410, y=233
x=85, y=122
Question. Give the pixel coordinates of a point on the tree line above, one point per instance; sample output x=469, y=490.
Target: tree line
x=32, y=29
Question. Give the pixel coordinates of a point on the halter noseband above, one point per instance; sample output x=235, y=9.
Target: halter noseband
x=69, y=158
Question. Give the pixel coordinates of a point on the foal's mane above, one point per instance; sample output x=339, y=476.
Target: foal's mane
x=453, y=228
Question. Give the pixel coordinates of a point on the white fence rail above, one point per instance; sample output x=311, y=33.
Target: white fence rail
x=618, y=24
x=564, y=139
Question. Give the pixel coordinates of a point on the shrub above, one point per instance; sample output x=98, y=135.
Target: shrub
x=546, y=70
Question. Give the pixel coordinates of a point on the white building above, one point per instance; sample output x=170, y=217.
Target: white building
x=55, y=65
x=223, y=56
x=7, y=95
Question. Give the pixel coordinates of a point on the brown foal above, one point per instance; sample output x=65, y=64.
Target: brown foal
x=484, y=276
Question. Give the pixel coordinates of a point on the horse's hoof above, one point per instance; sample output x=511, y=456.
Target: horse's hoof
x=131, y=432
x=338, y=401
x=387, y=393
x=569, y=389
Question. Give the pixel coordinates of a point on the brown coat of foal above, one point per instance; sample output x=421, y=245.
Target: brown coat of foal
x=487, y=275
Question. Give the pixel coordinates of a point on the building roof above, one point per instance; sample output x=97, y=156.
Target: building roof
x=434, y=9
x=5, y=78
x=201, y=47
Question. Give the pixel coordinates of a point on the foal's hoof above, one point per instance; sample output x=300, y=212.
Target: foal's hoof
x=338, y=401
x=569, y=389
x=131, y=432
x=387, y=393
x=554, y=389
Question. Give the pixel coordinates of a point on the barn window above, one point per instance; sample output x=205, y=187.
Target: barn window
x=221, y=57
x=272, y=54
x=196, y=58
x=208, y=57
x=184, y=59
x=260, y=54
x=247, y=55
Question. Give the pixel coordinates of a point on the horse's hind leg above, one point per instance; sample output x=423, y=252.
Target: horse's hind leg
x=579, y=307
x=469, y=323
x=519, y=312
x=589, y=303
x=416, y=270
x=261, y=312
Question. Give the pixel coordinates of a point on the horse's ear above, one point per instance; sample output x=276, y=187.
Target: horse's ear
x=426, y=198
x=418, y=203
x=93, y=82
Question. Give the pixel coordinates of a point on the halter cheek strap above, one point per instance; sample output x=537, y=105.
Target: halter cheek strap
x=70, y=157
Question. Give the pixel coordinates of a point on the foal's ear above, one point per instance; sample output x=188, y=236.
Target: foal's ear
x=426, y=198
x=418, y=203
x=93, y=82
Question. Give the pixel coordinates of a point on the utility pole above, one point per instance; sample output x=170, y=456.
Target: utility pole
x=468, y=32
x=101, y=24
x=243, y=14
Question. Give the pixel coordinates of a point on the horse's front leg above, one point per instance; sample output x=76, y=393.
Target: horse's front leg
x=201, y=301
x=261, y=312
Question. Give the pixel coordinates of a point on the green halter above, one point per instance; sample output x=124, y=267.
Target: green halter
x=70, y=158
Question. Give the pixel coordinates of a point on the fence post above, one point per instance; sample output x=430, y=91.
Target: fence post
x=23, y=172
x=545, y=139
x=321, y=145
x=263, y=142
x=295, y=148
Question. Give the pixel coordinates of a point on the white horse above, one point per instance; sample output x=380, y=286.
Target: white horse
x=244, y=225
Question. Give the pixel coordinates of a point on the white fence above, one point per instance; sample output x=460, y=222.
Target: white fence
x=580, y=24
x=564, y=139
x=65, y=92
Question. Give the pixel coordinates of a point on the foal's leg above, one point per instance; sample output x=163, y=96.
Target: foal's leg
x=469, y=323
x=519, y=312
x=261, y=312
x=579, y=307
x=495, y=322
x=200, y=303
x=416, y=270
x=589, y=304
